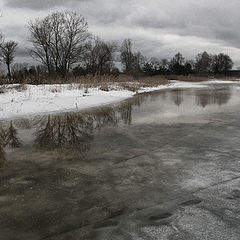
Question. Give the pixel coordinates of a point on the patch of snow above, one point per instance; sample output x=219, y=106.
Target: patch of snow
x=43, y=99
x=221, y=82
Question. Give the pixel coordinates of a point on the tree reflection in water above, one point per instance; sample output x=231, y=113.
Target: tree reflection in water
x=12, y=139
x=126, y=112
x=73, y=131
x=67, y=131
x=2, y=145
x=177, y=97
x=126, y=108
x=206, y=97
x=9, y=138
x=105, y=117
x=2, y=155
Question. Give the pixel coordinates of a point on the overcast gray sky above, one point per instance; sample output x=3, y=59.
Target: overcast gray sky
x=158, y=28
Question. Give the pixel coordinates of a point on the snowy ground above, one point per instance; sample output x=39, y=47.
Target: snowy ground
x=34, y=100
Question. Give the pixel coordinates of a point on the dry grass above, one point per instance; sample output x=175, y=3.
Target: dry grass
x=99, y=80
x=110, y=82
x=18, y=88
x=134, y=87
x=153, y=81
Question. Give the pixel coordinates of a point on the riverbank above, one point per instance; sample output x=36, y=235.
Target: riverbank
x=18, y=101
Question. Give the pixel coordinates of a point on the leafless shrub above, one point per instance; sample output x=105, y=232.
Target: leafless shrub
x=130, y=87
x=55, y=89
x=86, y=90
x=20, y=87
x=2, y=90
x=104, y=87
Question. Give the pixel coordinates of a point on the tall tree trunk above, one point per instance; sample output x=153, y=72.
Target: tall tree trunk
x=9, y=72
x=49, y=71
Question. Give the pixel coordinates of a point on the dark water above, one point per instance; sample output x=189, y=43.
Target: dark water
x=120, y=171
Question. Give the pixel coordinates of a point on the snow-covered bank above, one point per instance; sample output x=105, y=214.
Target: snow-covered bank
x=34, y=100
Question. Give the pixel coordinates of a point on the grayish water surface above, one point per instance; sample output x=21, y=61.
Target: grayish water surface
x=163, y=165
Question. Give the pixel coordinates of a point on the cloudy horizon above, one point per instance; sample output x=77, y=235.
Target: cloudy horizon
x=157, y=28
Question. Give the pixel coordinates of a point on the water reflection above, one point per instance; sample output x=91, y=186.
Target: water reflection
x=126, y=108
x=74, y=132
x=206, y=97
x=12, y=139
x=2, y=144
x=104, y=117
x=2, y=155
x=126, y=112
x=9, y=138
x=177, y=97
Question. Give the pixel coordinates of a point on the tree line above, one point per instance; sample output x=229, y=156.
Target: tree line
x=204, y=64
x=62, y=44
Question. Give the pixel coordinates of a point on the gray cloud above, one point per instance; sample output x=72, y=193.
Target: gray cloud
x=158, y=28
x=36, y=5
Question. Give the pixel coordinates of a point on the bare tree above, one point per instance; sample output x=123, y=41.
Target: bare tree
x=58, y=40
x=98, y=57
x=133, y=62
x=8, y=50
x=176, y=65
x=127, y=56
x=1, y=39
x=203, y=63
x=178, y=59
x=138, y=61
x=221, y=63
x=41, y=34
